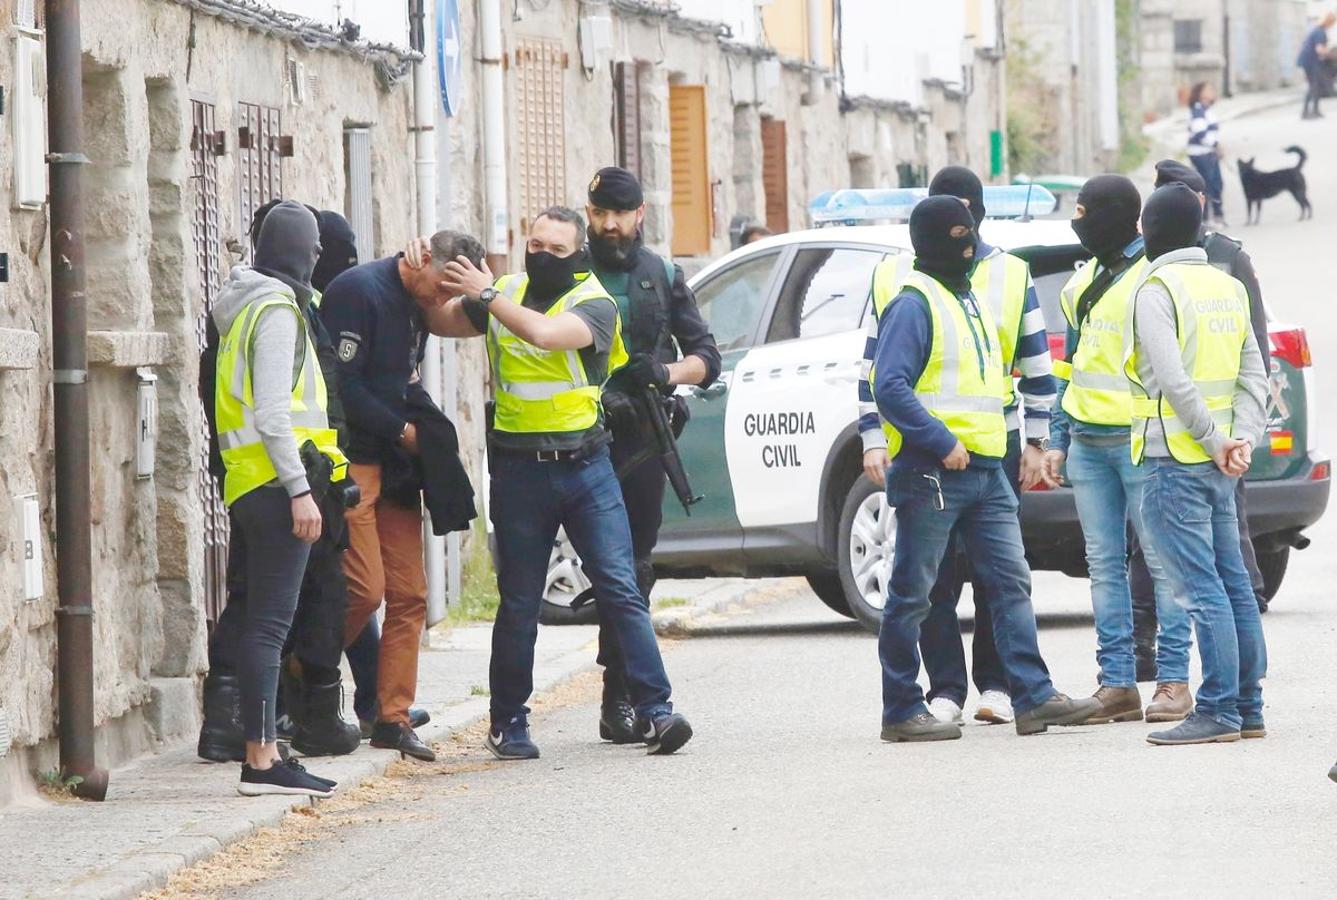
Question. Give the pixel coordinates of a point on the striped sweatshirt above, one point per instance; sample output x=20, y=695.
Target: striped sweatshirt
x=1202, y=130
x=1036, y=390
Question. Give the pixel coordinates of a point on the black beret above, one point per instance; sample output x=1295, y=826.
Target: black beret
x=616, y=189
x=1172, y=171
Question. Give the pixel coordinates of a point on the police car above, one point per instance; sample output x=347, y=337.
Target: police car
x=774, y=444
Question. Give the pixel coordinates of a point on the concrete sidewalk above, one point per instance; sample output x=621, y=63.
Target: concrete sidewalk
x=170, y=810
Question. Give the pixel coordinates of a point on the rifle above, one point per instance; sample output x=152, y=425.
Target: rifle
x=658, y=441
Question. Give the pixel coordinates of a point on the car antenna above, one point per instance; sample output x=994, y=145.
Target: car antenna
x=1026, y=213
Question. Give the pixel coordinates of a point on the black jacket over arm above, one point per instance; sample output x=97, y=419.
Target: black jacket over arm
x=690, y=330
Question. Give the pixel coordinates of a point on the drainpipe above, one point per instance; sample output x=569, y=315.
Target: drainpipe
x=816, y=25
x=424, y=153
x=496, y=226
x=69, y=330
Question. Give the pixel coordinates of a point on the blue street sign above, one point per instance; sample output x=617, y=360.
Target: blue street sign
x=449, y=59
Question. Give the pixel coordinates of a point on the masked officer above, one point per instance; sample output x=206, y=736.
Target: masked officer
x=940, y=383
x=1198, y=389
x=310, y=683
x=1005, y=281
x=669, y=344
x=1091, y=433
x=271, y=403
x=553, y=335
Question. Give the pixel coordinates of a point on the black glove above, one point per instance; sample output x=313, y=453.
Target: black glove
x=644, y=370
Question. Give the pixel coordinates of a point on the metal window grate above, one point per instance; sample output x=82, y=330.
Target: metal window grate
x=205, y=234
x=1188, y=35
x=260, y=174
x=540, y=98
x=627, y=116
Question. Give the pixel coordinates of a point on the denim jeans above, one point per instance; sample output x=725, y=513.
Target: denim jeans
x=1108, y=490
x=1209, y=167
x=531, y=500
x=1190, y=513
x=983, y=504
x=940, y=634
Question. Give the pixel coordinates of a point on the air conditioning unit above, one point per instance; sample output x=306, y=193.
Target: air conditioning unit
x=29, y=117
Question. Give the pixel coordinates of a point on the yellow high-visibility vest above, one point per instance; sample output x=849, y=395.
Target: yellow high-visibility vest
x=1212, y=320
x=963, y=383
x=1098, y=392
x=545, y=391
x=248, y=465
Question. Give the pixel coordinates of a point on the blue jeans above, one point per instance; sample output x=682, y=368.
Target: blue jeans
x=531, y=500
x=1209, y=167
x=1108, y=490
x=1190, y=513
x=984, y=506
x=940, y=640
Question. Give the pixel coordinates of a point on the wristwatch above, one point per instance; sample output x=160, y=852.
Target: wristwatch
x=1041, y=444
x=487, y=295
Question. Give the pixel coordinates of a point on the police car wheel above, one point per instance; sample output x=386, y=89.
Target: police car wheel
x=867, y=538
x=566, y=583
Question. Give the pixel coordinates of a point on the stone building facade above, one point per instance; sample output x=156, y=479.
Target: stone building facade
x=190, y=123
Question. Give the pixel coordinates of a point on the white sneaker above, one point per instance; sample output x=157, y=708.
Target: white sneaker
x=995, y=708
x=945, y=710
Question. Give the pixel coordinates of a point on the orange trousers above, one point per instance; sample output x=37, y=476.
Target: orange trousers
x=384, y=560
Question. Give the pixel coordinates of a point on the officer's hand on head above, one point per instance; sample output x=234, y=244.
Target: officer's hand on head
x=958, y=459
x=875, y=465
x=644, y=370
x=418, y=253
x=463, y=277
x=1052, y=468
x=306, y=522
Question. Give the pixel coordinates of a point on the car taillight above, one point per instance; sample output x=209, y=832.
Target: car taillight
x=1292, y=346
x=1321, y=471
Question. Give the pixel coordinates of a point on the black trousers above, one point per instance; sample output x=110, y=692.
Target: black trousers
x=643, y=493
x=1315, y=75
x=1144, y=593
x=316, y=635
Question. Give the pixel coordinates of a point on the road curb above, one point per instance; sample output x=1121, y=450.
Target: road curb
x=151, y=868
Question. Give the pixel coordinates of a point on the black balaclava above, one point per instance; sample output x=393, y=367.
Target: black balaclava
x=288, y=246
x=1171, y=220
x=938, y=254
x=1110, y=223
x=338, y=248
x=960, y=182
x=551, y=276
x=618, y=255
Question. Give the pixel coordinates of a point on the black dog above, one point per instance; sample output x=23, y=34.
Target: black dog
x=1260, y=186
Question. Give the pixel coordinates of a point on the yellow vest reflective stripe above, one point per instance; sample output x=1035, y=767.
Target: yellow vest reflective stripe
x=962, y=384
x=248, y=465
x=1212, y=318
x=545, y=391
x=1097, y=390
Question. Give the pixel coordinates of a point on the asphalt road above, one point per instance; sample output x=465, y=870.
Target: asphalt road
x=787, y=791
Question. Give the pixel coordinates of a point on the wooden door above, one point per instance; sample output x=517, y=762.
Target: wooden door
x=691, y=170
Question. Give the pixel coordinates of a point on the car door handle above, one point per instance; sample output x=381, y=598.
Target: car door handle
x=715, y=390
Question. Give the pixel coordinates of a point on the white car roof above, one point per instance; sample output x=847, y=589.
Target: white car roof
x=1006, y=233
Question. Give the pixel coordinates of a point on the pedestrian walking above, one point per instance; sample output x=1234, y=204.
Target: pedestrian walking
x=553, y=335
x=1204, y=148
x=1313, y=60
x=376, y=313
x=1004, y=281
x=271, y=404
x=1228, y=255
x=1199, y=390
x=1091, y=435
x=939, y=382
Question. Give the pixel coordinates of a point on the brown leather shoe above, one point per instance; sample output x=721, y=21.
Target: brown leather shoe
x=1117, y=705
x=1171, y=702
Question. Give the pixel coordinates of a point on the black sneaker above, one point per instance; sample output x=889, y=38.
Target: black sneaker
x=394, y=736
x=665, y=734
x=292, y=763
x=282, y=778
x=511, y=741
x=617, y=723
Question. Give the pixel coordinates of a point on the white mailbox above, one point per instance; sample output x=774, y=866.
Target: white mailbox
x=146, y=425
x=30, y=545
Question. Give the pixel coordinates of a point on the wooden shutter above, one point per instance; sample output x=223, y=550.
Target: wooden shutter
x=627, y=116
x=540, y=112
x=775, y=173
x=691, y=174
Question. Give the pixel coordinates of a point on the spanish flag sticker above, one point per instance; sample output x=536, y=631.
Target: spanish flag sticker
x=1282, y=442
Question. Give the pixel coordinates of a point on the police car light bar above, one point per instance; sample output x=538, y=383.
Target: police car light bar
x=878, y=205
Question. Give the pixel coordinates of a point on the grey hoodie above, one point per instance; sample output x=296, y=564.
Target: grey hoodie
x=1160, y=367
x=278, y=350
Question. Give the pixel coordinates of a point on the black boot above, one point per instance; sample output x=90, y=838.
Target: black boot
x=288, y=710
x=321, y=731
x=221, y=737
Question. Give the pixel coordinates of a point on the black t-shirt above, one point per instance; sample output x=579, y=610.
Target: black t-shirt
x=600, y=314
